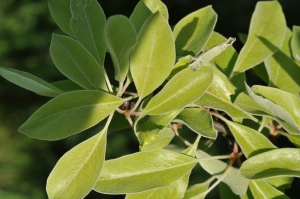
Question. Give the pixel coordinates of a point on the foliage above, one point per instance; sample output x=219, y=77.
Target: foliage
x=174, y=87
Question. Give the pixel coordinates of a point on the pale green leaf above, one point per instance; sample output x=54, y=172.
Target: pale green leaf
x=148, y=67
x=61, y=13
x=193, y=31
x=69, y=113
x=174, y=191
x=76, y=63
x=295, y=43
x=144, y=9
x=281, y=103
x=250, y=141
x=67, y=85
x=263, y=190
x=266, y=34
x=197, y=189
x=77, y=171
x=87, y=24
x=277, y=162
x=225, y=61
x=185, y=87
x=248, y=195
x=181, y=64
x=143, y=171
x=198, y=120
x=30, y=82
x=295, y=139
x=120, y=38
x=280, y=182
x=282, y=69
x=237, y=183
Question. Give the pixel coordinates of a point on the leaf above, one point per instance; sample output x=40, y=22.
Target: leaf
x=237, y=183
x=154, y=40
x=261, y=71
x=181, y=64
x=197, y=120
x=225, y=61
x=61, y=13
x=225, y=192
x=277, y=162
x=76, y=63
x=250, y=141
x=295, y=139
x=196, y=190
x=29, y=82
x=120, y=38
x=280, y=103
x=87, y=24
x=77, y=171
x=174, y=191
x=146, y=8
x=282, y=69
x=69, y=113
x=119, y=122
x=67, y=85
x=262, y=189
x=143, y=171
x=193, y=31
x=280, y=182
x=266, y=34
x=295, y=42
x=180, y=91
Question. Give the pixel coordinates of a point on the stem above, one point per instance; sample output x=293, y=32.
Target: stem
x=107, y=81
x=218, y=116
x=219, y=157
x=135, y=106
x=109, y=120
x=119, y=94
x=125, y=86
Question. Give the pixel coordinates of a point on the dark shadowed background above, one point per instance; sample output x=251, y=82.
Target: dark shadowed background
x=25, y=34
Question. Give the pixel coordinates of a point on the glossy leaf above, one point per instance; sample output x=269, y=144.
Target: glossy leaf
x=225, y=61
x=61, y=13
x=76, y=63
x=280, y=103
x=193, y=31
x=277, y=162
x=29, y=82
x=266, y=34
x=77, y=171
x=120, y=38
x=180, y=91
x=262, y=189
x=154, y=40
x=295, y=42
x=250, y=141
x=237, y=183
x=146, y=8
x=198, y=120
x=69, y=113
x=87, y=24
x=67, y=85
x=282, y=69
x=156, y=169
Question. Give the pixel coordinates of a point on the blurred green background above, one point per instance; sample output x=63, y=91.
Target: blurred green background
x=25, y=34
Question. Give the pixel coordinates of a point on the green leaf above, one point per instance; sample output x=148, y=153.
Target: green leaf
x=87, y=24
x=77, y=171
x=196, y=190
x=69, y=113
x=197, y=120
x=243, y=37
x=174, y=191
x=146, y=8
x=154, y=40
x=76, y=63
x=262, y=189
x=67, y=85
x=181, y=64
x=266, y=34
x=119, y=122
x=282, y=69
x=280, y=103
x=225, y=192
x=295, y=139
x=29, y=82
x=261, y=71
x=250, y=141
x=277, y=162
x=225, y=61
x=61, y=13
x=143, y=171
x=120, y=38
x=295, y=42
x=280, y=182
x=193, y=31
x=237, y=183
x=180, y=91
